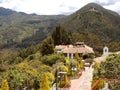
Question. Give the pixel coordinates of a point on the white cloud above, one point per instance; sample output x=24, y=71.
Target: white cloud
x=114, y=7
x=12, y=4
x=50, y=7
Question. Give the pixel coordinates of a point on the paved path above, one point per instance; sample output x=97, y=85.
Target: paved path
x=84, y=82
x=100, y=59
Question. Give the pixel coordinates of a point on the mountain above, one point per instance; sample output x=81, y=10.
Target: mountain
x=19, y=27
x=94, y=24
x=6, y=12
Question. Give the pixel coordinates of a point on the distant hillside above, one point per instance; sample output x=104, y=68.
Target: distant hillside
x=6, y=12
x=94, y=24
x=18, y=27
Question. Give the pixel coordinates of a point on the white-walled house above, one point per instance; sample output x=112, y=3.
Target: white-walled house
x=70, y=50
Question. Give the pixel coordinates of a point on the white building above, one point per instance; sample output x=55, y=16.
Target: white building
x=70, y=50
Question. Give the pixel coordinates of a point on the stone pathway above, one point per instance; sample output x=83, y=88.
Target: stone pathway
x=84, y=82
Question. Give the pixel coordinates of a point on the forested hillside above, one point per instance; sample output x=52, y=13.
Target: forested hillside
x=18, y=27
x=95, y=25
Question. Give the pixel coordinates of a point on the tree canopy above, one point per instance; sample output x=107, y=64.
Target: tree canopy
x=5, y=85
x=44, y=85
x=61, y=36
x=47, y=46
x=110, y=69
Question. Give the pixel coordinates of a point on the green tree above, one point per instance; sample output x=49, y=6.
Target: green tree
x=7, y=56
x=61, y=36
x=44, y=85
x=110, y=67
x=80, y=64
x=27, y=51
x=47, y=46
x=110, y=70
x=77, y=56
x=52, y=59
x=5, y=85
x=96, y=66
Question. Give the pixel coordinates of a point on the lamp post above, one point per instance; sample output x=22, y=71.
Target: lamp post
x=62, y=77
x=74, y=70
x=58, y=75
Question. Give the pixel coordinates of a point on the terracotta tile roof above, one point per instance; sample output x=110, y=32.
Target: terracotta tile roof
x=60, y=47
x=75, y=49
x=85, y=49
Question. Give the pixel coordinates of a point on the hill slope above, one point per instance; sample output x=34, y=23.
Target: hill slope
x=16, y=27
x=93, y=21
x=93, y=24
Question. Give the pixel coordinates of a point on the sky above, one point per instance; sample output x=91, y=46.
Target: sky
x=55, y=7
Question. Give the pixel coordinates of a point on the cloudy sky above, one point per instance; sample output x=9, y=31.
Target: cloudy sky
x=54, y=7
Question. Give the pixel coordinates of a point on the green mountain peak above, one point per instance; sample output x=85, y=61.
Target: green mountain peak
x=94, y=21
